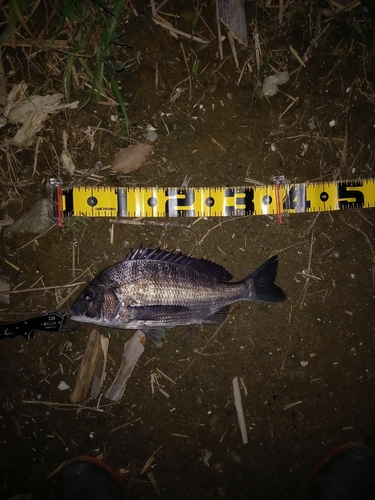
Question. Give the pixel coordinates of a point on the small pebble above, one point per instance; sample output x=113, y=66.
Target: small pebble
x=63, y=386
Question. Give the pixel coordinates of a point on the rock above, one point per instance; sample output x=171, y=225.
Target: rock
x=270, y=85
x=35, y=221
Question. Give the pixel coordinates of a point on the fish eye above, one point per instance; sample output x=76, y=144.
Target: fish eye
x=87, y=297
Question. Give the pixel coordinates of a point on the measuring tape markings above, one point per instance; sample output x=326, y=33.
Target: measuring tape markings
x=216, y=201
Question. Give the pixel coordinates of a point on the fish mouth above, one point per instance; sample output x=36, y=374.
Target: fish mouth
x=76, y=317
x=73, y=309
x=78, y=313
x=82, y=318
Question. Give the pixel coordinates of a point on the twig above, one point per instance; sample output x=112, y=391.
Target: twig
x=217, y=143
x=154, y=483
x=187, y=69
x=281, y=11
x=150, y=460
x=287, y=407
x=125, y=425
x=283, y=363
x=302, y=298
x=296, y=55
x=166, y=376
x=239, y=410
x=63, y=406
x=288, y=107
x=170, y=28
x=258, y=51
x=153, y=8
x=147, y=222
x=72, y=292
x=209, y=340
x=54, y=226
x=156, y=76
x=321, y=138
x=364, y=234
x=186, y=369
x=45, y=288
x=212, y=228
x=219, y=30
x=233, y=47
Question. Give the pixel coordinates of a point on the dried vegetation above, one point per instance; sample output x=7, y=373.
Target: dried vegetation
x=84, y=86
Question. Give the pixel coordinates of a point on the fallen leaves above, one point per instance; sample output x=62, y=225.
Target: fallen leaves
x=131, y=158
x=31, y=112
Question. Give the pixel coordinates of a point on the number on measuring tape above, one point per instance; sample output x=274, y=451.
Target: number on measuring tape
x=180, y=203
x=210, y=201
x=239, y=201
x=348, y=197
x=296, y=199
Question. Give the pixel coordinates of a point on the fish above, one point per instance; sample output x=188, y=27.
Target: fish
x=153, y=290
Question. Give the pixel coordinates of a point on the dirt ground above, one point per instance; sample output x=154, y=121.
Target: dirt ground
x=307, y=364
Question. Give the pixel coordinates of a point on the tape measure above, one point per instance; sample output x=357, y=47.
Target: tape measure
x=276, y=199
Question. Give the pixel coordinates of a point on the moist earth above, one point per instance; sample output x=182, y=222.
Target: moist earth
x=307, y=364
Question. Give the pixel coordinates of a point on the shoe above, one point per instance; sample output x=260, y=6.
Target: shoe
x=347, y=473
x=87, y=478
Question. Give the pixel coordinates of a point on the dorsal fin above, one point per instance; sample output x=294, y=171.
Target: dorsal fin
x=205, y=266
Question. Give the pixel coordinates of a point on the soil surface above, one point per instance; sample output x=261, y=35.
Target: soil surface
x=307, y=364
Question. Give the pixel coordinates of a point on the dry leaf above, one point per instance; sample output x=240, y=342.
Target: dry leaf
x=31, y=112
x=129, y=159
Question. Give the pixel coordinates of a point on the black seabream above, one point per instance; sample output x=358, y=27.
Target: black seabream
x=152, y=290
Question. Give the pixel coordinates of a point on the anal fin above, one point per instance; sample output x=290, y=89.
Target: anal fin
x=155, y=334
x=218, y=317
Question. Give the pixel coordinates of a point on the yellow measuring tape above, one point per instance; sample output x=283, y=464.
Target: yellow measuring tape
x=276, y=199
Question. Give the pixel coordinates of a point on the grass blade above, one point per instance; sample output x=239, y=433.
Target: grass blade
x=118, y=96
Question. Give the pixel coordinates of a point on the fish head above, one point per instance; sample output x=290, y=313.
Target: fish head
x=98, y=304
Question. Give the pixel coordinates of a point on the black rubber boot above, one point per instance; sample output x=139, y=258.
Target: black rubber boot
x=86, y=478
x=347, y=473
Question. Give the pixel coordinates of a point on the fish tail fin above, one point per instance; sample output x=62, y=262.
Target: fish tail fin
x=262, y=285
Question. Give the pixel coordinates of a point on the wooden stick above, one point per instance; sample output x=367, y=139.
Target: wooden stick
x=219, y=30
x=296, y=55
x=46, y=288
x=99, y=373
x=178, y=32
x=62, y=406
x=239, y=409
x=281, y=11
x=146, y=222
x=150, y=460
x=233, y=47
x=87, y=368
x=133, y=349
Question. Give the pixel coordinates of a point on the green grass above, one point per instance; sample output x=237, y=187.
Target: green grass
x=93, y=44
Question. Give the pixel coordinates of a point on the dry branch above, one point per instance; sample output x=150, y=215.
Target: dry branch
x=239, y=409
x=87, y=368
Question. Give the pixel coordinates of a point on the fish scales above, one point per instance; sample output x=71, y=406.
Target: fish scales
x=152, y=283
x=154, y=289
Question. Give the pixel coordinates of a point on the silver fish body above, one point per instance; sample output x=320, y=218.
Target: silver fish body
x=152, y=290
